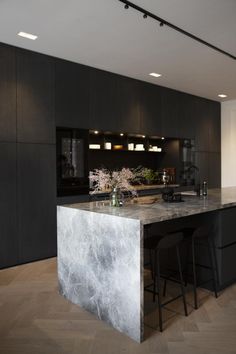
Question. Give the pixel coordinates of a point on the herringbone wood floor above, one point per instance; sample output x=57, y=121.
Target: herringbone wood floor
x=34, y=319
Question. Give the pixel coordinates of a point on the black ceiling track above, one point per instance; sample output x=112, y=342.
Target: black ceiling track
x=163, y=22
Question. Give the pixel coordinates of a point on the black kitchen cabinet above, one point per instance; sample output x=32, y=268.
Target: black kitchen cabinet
x=114, y=102
x=36, y=201
x=214, y=169
x=170, y=113
x=201, y=161
x=203, y=125
x=7, y=94
x=209, y=165
x=226, y=246
x=8, y=219
x=187, y=119
x=129, y=106
x=227, y=225
x=71, y=94
x=104, y=101
x=227, y=265
x=150, y=109
x=214, y=126
x=35, y=98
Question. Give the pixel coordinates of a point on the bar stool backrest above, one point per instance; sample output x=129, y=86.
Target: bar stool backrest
x=170, y=240
x=204, y=231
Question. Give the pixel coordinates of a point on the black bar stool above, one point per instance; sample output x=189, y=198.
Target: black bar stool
x=202, y=235
x=156, y=244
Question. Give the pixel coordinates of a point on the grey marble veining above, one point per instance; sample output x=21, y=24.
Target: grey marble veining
x=161, y=211
x=100, y=253
x=100, y=266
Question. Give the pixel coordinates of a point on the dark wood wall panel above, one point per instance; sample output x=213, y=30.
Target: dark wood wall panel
x=36, y=201
x=38, y=93
x=35, y=98
x=8, y=212
x=7, y=94
x=71, y=94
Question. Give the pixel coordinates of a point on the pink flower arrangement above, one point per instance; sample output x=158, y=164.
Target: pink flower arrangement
x=105, y=180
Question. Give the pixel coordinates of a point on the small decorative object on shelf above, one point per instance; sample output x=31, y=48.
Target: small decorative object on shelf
x=95, y=146
x=149, y=175
x=107, y=145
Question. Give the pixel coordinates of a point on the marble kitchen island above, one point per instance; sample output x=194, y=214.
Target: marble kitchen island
x=100, y=251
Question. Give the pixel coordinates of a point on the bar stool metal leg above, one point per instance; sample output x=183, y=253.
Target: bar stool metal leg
x=194, y=275
x=181, y=281
x=151, y=262
x=159, y=290
x=210, y=250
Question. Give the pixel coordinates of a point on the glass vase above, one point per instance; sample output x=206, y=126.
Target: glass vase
x=116, y=197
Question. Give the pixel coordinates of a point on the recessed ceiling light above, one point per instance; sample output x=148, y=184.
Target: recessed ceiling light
x=162, y=138
x=155, y=74
x=121, y=134
x=96, y=131
x=143, y=136
x=27, y=35
x=222, y=95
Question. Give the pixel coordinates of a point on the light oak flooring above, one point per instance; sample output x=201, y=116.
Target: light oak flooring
x=35, y=319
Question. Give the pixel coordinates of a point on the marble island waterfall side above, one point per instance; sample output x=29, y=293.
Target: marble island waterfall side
x=100, y=267
x=100, y=251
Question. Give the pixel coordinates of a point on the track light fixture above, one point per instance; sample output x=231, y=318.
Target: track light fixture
x=163, y=22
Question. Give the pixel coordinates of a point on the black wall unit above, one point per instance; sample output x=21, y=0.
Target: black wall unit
x=7, y=94
x=209, y=165
x=129, y=105
x=36, y=201
x=201, y=161
x=214, y=127
x=8, y=218
x=38, y=93
x=71, y=95
x=150, y=109
x=35, y=98
x=170, y=113
x=104, y=101
x=208, y=126
x=214, y=169
x=114, y=102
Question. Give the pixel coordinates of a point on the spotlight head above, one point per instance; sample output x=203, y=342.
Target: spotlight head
x=126, y=6
x=161, y=24
x=144, y=15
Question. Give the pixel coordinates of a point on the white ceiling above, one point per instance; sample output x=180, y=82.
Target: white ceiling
x=102, y=34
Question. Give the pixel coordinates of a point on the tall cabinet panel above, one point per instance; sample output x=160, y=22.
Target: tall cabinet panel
x=214, y=174
x=215, y=127
x=8, y=221
x=201, y=161
x=104, y=101
x=7, y=94
x=71, y=94
x=187, y=119
x=35, y=98
x=129, y=105
x=170, y=113
x=36, y=201
x=150, y=109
